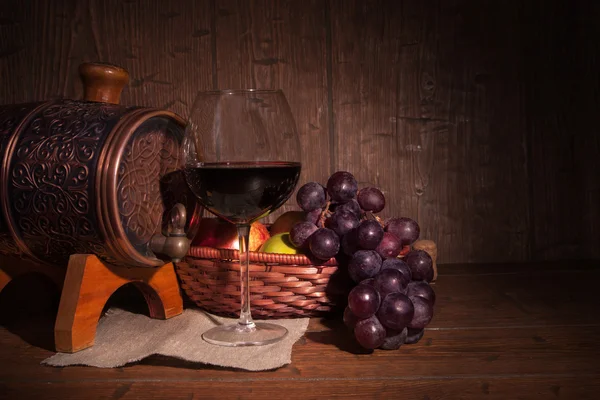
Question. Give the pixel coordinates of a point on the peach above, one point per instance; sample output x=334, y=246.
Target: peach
x=286, y=221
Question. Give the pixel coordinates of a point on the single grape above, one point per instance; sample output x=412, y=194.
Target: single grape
x=369, y=333
x=300, y=233
x=406, y=229
x=369, y=233
x=371, y=199
x=351, y=206
x=396, y=263
x=396, y=311
x=311, y=196
x=423, y=313
x=368, y=281
x=420, y=264
x=421, y=289
x=313, y=216
x=389, y=246
x=324, y=243
x=390, y=281
x=349, y=318
x=363, y=301
x=342, y=186
x=341, y=222
x=394, y=339
x=414, y=335
x=363, y=265
x=349, y=243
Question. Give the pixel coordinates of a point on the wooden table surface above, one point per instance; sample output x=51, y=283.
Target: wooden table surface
x=519, y=331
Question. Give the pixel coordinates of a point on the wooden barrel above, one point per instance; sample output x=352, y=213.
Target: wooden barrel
x=90, y=176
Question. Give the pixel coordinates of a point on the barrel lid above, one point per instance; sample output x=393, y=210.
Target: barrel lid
x=141, y=181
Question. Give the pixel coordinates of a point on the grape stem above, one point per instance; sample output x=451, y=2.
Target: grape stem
x=371, y=216
x=324, y=215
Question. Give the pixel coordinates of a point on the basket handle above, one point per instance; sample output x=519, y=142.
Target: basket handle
x=103, y=82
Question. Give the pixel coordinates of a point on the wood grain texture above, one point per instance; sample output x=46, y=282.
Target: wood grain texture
x=165, y=46
x=473, y=116
x=367, y=45
x=525, y=387
x=587, y=63
x=420, y=112
x=519, y=356
x=34, y=53
x=280, y=44
x=472, y=140
x=482, y=353
x=499, y=328
x=560, y=66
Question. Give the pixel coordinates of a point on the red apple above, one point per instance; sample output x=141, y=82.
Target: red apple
x=208, y=232
x=220, y=234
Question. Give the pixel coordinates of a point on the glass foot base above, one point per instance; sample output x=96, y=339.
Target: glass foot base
x=257, y=334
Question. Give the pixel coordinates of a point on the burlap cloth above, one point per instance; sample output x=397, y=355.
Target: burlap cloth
x=123, y=337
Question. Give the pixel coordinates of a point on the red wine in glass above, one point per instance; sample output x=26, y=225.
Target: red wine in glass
x=242, y=192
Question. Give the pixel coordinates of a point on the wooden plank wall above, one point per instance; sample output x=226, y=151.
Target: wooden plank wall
x=475, y=117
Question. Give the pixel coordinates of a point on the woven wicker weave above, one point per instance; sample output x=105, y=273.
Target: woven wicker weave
x=281, y=285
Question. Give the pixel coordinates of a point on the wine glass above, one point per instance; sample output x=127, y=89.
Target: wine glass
x=241, y=157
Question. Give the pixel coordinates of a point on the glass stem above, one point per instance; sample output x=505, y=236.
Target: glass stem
x=245, y=313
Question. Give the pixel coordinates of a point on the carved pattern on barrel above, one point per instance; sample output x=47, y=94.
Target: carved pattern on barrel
x=52, y=179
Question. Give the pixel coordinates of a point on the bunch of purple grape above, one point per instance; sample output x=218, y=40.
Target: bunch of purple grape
x=391, y=300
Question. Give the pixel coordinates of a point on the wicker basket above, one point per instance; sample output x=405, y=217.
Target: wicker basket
x=281, y=285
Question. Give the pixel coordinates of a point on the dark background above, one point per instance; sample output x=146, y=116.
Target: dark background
x=477, y=118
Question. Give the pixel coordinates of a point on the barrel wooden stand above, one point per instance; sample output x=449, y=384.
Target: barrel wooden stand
x=89, y=283
x=86, y=287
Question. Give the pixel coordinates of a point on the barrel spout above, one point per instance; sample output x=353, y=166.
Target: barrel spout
x=175, y=244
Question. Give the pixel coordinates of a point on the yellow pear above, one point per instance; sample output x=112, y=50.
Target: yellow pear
x=280, y=244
